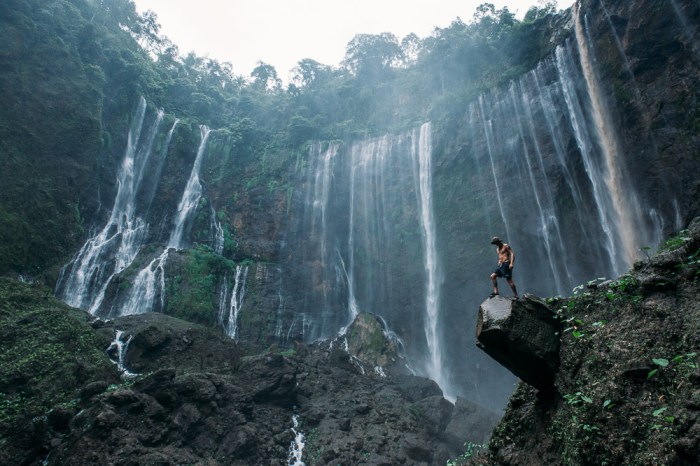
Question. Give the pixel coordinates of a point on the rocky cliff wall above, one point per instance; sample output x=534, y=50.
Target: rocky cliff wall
x=628, y=386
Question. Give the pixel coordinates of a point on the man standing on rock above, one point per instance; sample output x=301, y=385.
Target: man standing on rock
x=506, y=261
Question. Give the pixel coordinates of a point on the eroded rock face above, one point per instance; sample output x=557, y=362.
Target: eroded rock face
x=523, y=336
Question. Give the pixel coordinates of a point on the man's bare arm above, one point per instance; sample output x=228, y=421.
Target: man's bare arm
x=512, y=257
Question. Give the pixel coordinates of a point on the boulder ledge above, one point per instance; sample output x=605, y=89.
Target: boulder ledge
x=523, y=336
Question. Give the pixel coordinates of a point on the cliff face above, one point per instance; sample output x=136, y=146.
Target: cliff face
x=628, y=386
x=647, y=53
x=530, y=160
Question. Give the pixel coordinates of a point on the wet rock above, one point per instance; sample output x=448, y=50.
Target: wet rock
x=468, y=423
x=160, y=341
x=378, y=460
x=649, y=283
x=367, y=341
x=272, y=377
x=344, y=425
x=198, y=388
x=415, y=388
x=107, y=419
x=122, y=397
x=187, y=415
x=151, y=338
x=60, y=417
x=523, y=336
x=418, y=452
x=92, y=389
x=434, y=413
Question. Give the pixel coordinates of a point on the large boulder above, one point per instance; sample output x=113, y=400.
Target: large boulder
x=523, y=336
x=158, y=341
x=368, y=341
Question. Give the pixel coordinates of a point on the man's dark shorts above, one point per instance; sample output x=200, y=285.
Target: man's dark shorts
x=504, y=271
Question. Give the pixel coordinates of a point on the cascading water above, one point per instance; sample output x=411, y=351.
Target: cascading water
x=434, y=368
x=150, y=281
x=296, y=448
x=120, y=347
x=190, y=198
x=217, y=233
x=281, y=308
x=543, y=190
x=625, y=206
x=537, y=161
x=114, y=248
x=549, y=224
x=368, y=244
x=229, y=321
x=689, y=29
x=488, y=133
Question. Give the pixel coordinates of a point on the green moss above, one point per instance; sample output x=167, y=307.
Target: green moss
x=674, y=242
x=48, y=351
x=193, y=290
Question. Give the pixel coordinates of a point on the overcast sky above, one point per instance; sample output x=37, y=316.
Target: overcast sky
x=282, y=32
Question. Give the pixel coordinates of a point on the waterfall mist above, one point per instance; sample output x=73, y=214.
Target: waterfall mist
x=397, y=225
x=540, y=165
x=366, y=242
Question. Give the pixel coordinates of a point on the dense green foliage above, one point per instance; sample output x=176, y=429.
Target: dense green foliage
x=194, y=286
x=48, y=351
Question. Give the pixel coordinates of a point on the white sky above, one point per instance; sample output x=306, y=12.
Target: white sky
x=282, y=32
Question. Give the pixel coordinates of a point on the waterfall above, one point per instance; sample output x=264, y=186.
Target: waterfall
x=583, y=136
x=543, y=161
x=115, y=246
x=236, y=303
x=280, y=308
x=317, y=218
x=121, y=348
x=434, y=368
x=296, y=448
x=150, y=281
x=190, y=198
x=545, y=206
x=223, y=299
x=690, y=31
x=488, y=132
x=623, y=213
x=217, y=233
x=366, y=242
x=537, y=160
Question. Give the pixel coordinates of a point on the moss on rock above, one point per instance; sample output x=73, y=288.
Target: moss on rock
x=366, y=341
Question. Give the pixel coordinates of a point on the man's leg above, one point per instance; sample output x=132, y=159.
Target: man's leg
x=495, y=284
x=512, y=287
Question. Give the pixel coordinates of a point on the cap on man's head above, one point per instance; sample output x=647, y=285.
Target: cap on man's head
x=495, y=240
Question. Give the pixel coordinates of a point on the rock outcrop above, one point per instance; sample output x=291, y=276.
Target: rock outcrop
x=628, y=385
x=523, y=336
